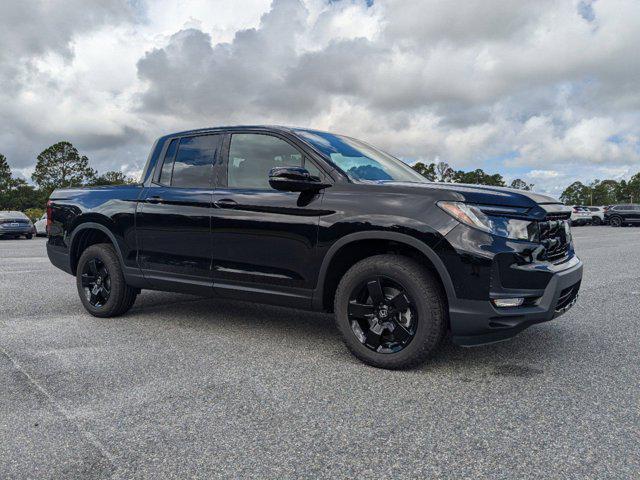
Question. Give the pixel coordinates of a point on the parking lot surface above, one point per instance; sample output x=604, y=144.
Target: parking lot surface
x=187, y=387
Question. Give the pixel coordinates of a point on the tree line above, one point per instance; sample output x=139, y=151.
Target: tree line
x=58, y=166
x=442, y=172
x=598, y=192
x=61, y=165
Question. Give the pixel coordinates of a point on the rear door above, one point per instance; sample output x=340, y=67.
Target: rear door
x=264, y=239
x=174, y=216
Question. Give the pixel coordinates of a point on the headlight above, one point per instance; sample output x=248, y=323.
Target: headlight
x=478, y=216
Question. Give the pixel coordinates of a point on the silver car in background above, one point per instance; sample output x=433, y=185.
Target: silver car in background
x=15, y=224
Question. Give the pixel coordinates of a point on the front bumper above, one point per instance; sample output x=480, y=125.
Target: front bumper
x=477, y=322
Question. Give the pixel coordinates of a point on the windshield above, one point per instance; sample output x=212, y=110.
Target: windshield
x=360, y=161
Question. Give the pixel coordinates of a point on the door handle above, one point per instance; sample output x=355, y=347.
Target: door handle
x=225, y=203
x=155, y=199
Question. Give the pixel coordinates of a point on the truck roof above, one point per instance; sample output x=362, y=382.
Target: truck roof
x=236, y=127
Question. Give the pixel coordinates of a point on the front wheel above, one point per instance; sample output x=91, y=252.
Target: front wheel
x=101, y=284
x=390, y=311
x=596, y=221
x=615, y=222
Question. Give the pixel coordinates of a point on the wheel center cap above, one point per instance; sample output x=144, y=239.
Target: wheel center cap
x=98, y=280
x=383, y=311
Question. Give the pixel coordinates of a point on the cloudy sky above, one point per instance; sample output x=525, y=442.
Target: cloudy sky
x=544, y=90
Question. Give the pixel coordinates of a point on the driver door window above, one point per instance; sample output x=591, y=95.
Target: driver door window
x=252, y=155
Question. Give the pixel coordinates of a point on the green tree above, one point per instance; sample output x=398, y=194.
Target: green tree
x=444, y=172
x=427, y=171
x=520, y=184
x=22, y=196
x=5, y=173
x=112, y=177
x=34, y=213
x=61, y=166
x=633, y=189
x=604, y=192
x=576, y=194
x=478, y=177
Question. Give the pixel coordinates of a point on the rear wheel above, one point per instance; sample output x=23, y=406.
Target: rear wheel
x=390, y=312
x=596, y=221
x=101, y=284
x=29, y=236
x=615, y=221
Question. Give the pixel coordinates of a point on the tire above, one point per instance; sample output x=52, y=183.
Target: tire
x=596, y=221
x=615, y=222
x=426, y=303
x=29, y=236
x=94, y=261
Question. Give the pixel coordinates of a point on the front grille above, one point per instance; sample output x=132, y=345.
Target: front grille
x=567, y=297
x=552, y=235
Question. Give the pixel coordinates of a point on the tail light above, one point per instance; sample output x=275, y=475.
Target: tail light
x=49, y=215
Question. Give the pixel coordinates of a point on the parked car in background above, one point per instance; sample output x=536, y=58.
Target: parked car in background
x=15, y=224
x=41, y=226
x=620, y=215
x=580, y=215
x=597, y=215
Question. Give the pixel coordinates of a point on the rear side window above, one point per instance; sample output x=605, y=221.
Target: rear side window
x=193, y=165
x=252, y=155
x=189, y=161
x=167, y=166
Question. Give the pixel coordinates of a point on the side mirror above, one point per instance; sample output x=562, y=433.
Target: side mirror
x=294, y=179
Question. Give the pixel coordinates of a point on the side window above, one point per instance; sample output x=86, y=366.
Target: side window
x=193, y=166
x=167, y=166
x=252, y=155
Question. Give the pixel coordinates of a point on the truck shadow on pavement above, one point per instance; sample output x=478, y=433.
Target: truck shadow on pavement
x=302, y=331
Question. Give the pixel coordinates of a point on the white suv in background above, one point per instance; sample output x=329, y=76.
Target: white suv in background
x=597, y=215
x=580, y=215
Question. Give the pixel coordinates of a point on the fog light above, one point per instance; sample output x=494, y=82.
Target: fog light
x=507, y=302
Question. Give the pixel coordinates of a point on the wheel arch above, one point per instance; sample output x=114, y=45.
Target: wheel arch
x=325, y=290
x=86, y=234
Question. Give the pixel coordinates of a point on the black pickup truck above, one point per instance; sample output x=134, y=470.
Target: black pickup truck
x=319, y=221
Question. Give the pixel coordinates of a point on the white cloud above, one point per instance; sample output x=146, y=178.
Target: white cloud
x=544, y=87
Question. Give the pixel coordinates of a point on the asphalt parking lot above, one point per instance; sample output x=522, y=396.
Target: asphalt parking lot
x=187, y=387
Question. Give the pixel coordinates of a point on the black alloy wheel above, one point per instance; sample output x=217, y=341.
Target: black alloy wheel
x=381, y=315
x=615, y=221
x=96, y=282
x=390, y=311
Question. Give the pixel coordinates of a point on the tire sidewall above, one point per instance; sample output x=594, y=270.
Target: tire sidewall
x=108, y=257
x=428, y=330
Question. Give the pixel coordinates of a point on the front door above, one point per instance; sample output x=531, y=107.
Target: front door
x=264, y=240
x=174, y=217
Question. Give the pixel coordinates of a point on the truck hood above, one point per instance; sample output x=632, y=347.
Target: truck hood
x=538, y=205
x=485, y=194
